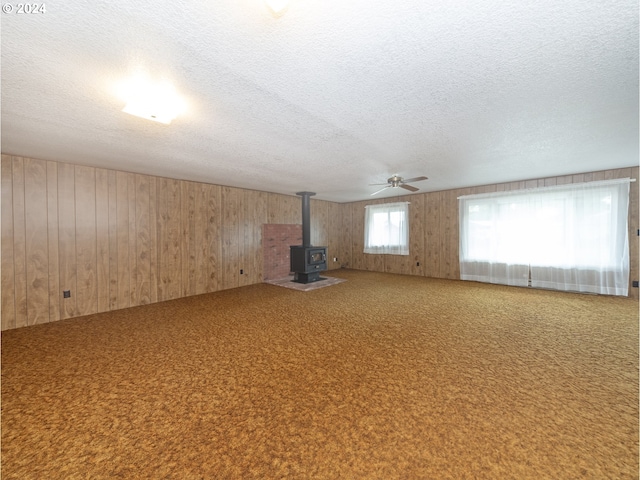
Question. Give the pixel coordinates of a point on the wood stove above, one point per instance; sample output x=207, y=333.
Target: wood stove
x=307, y=261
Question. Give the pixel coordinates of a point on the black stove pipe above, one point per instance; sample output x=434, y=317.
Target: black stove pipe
x=306, y=217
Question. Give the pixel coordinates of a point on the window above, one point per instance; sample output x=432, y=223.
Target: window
x=386, y=228
x=569, y=237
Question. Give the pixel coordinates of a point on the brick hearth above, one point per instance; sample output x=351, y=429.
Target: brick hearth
x=277, y=238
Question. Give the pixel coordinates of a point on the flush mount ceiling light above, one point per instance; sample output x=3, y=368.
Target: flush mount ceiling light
x=277, y=6
x=154, y=100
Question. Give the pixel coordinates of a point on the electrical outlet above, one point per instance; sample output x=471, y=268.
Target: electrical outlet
x=335, y=259
x=241, y=271
x=635, y=283
x=417, y=264
x=66, y=294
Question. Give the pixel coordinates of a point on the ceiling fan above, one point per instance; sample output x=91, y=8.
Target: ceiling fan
x=397, y=181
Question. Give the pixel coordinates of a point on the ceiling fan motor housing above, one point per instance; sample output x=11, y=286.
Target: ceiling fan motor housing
x=395, y=180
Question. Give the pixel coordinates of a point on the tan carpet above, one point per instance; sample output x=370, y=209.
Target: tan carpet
x=380, y=377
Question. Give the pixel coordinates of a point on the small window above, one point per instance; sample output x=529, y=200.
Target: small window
x=386, y=228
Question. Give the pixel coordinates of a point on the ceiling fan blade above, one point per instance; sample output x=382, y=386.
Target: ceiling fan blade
x=417, y=179
x=409, y=187
x=373, y=184
x=380, y=190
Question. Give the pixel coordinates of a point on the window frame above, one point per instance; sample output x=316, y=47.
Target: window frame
x=395, y=241
x=571, y=237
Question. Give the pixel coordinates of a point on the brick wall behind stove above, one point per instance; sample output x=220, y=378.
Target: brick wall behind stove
x=277, y=238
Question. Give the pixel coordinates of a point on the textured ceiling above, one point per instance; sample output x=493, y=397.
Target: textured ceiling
x=334, y=94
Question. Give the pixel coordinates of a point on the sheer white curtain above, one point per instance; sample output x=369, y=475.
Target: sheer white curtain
x=570, y=237
x=386, y=228
x=493, y=238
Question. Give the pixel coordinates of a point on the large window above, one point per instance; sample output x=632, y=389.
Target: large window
x=569, y=237
x=386, y=228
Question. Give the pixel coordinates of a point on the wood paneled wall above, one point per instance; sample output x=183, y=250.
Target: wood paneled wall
x=117, y=239
x=434, y=238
